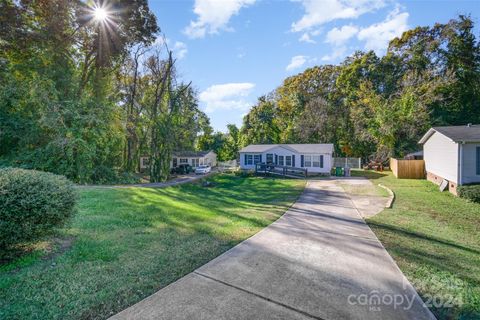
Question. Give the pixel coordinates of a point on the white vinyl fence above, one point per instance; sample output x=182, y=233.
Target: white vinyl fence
x=230, y=163
x=227, y=166
x=352, y=163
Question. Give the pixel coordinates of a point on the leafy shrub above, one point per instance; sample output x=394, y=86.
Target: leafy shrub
x=103, y=175
x=128, y=178
x=470, y=192
x=106, y=175
x=32, y=203
x=245, y=173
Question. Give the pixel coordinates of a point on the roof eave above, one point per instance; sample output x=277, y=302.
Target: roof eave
x=427, y=135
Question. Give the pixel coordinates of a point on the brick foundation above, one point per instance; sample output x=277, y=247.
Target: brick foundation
x=452, y=186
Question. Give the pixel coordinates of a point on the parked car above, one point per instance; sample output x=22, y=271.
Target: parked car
x=183, y=168
x=203, y=169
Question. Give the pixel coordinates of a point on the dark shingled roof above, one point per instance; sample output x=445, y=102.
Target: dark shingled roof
x=467, y=133
x=300, y=148
x=190, y=154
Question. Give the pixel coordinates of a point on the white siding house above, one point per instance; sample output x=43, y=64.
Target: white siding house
x=192, y=158
x=316, y=158
x=453, y=154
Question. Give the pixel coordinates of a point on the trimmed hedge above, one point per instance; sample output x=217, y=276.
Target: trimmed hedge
x=32, y=204
x=470, y=192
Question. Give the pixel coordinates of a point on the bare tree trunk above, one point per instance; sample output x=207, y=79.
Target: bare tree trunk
x=132, y=138
x=161, y=142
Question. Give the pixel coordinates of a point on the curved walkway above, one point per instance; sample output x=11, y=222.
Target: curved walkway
x=318, y=261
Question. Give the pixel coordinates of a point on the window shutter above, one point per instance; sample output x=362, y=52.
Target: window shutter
x=321, y=161
x=478, y=160
x=302, y=161
x=245, y=159
x=261, y=158
x=276, y=159
x=293, y=160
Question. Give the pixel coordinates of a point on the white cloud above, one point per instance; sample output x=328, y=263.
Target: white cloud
x=338, y=52
x=338, y=36
x=319, y=12
x=296, y=62
x=379, y=34
x=227, y=96
x=180, y=49
x=306, y=38
x=213, y=15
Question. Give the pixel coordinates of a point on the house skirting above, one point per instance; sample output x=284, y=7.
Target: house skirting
x=452, y=186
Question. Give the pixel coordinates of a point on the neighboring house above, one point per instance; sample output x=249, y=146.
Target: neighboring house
x=452, y=154
x=193, y=158
x=414, y=156
x=316, y=158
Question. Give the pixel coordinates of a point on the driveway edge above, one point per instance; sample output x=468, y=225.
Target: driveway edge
x=391, y=196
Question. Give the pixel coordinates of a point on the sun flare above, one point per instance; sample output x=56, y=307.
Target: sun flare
x=100, y=14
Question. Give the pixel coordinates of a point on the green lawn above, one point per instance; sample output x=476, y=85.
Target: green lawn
x=125, y=244
x=435, y=239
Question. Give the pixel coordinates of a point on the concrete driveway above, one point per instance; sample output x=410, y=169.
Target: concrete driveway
x=363, y=194
x=319, y=261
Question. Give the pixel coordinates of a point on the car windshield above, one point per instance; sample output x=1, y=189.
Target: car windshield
x=202, y=166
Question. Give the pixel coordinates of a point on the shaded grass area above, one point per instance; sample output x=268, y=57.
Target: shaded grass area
x=128, y=243
x=435, y=239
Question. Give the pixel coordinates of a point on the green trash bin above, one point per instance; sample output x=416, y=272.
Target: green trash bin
x=339, y=171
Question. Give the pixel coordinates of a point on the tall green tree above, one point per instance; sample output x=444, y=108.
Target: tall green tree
x=60, y=111
x=371, y=106
x=259, y=125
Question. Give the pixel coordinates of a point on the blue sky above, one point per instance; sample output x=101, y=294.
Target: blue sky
x=234, y=51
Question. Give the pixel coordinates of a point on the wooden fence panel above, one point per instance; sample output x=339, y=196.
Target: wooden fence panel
x=408, y=169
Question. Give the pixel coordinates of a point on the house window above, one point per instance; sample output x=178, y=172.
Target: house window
x=269, y=158
x=316, y=161
x=257, y=158
x=308, y=161
x=249, y=159
x=288, y=161
x=195, y=162
x=183, y=160
x=280, y=160
x=145, y=162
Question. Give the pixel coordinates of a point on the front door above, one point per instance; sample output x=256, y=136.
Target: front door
x=174, y=162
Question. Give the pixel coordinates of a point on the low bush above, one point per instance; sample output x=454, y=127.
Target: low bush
x=32, y=204
x=470, y=192
x=107, y=175
x=244, y=173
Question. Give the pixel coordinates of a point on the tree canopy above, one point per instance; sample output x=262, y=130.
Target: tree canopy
x=85, y=97
x=370, y=106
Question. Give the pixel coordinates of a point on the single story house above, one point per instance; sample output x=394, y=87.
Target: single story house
x=316, y=158
x=193, y=158
x=418, y=155
x=452, y=154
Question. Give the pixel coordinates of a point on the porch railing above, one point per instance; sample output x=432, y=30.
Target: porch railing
x=275, y=169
